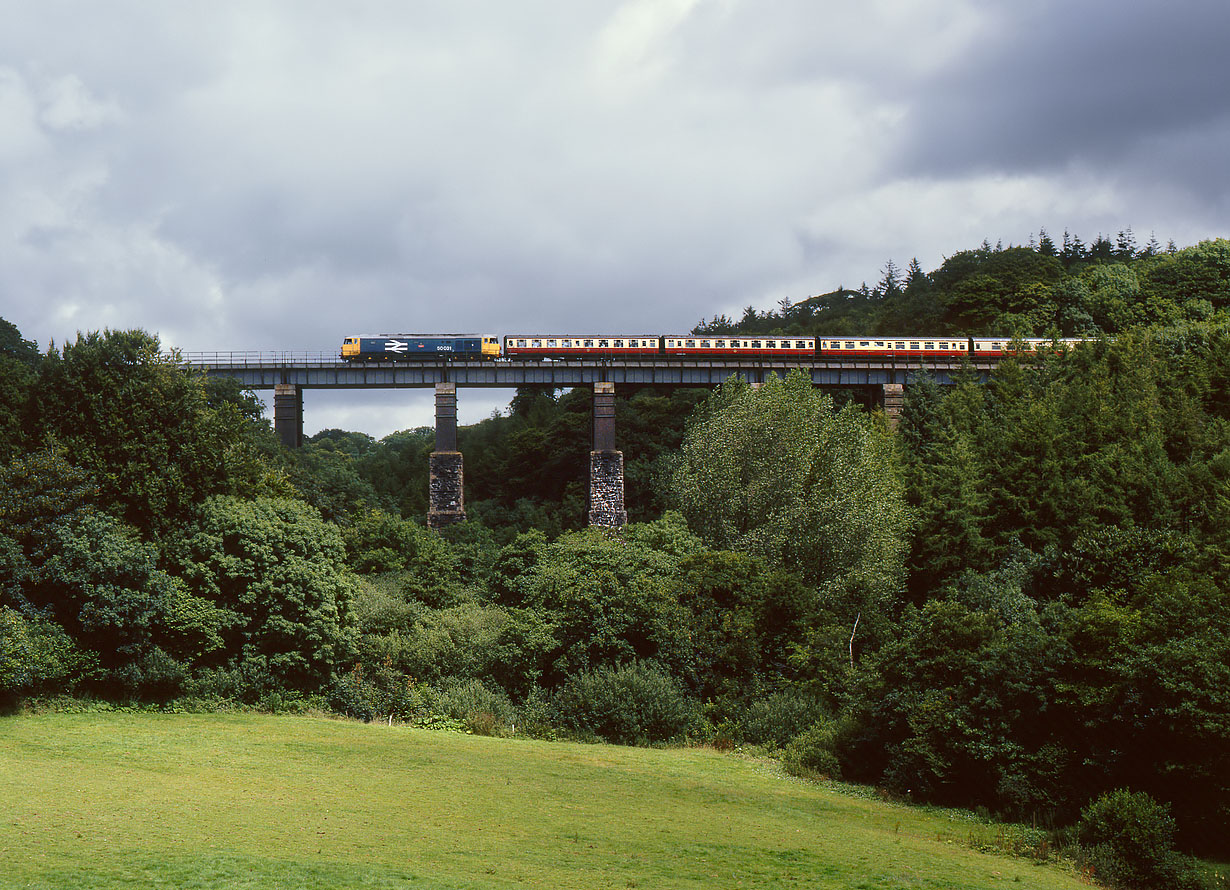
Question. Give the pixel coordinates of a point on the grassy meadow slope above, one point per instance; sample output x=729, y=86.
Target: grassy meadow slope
x=126, y=800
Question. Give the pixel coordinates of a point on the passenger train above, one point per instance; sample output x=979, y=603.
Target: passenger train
x=420, y=347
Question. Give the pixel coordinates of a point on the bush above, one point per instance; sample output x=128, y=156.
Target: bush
x=485, y=711
x=637, y=704
x=813, y=753
x=37, y=657
x=780, y=717
x=1129, y=842
x=383, y=692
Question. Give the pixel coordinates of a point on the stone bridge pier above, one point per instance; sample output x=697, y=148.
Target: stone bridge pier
x=288, y=414
x=446, y=503
x=606, y=464
x=893, y=399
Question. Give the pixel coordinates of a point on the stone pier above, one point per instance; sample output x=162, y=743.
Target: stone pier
x=446, y=498
x=288, y=414
x=893, y=395
x=606, y=465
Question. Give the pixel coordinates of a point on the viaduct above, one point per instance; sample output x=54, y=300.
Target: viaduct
x=288, y=374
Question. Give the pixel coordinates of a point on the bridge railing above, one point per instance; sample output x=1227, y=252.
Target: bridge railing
x=260, y=358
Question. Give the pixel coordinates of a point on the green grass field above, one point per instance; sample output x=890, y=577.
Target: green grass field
x=102, y=800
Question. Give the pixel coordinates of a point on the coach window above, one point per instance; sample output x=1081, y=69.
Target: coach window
x=901, y=345
x=619, y=344
x=690, y=344
x=943, y=345
x=536, y=344
x=551, y=344
x=849, y=344
x=704, y=344
x=928, y=345
x=913, y=345
x=604, y=344
x=589, y=344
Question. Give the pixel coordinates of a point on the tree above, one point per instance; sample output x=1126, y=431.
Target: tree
x=145, y=428
x=18, y=361
x=612, y=599
x=13, y=346
x=279, y=571
x=777, y=472
x=891, y=285
x=1046, y=246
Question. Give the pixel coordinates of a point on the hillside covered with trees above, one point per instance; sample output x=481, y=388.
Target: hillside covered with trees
x=1018, y=600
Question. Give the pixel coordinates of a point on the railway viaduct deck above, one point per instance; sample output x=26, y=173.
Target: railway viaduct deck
x=289, y=373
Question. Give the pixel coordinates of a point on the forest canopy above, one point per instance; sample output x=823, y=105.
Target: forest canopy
x=1018, y=599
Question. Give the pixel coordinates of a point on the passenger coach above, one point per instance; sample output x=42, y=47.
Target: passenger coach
x=580, y=346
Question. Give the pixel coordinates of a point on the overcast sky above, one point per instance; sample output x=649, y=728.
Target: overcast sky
x=276, y=174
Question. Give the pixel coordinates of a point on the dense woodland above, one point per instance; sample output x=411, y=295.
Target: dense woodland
x=1018, y=600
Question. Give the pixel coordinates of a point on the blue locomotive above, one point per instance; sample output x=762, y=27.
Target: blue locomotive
x=403, y=347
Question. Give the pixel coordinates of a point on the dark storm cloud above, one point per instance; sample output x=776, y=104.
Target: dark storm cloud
x=1095, y=85
x=275, y=175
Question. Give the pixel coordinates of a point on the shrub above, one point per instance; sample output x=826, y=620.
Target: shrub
x=37, y=657
x=636, y=704
x=379, y=693
x=813, y=752
x=485, y=711
x=1129, y=841
x=777, y=718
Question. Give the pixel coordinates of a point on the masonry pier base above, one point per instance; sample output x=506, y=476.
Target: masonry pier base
x=447, y=491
